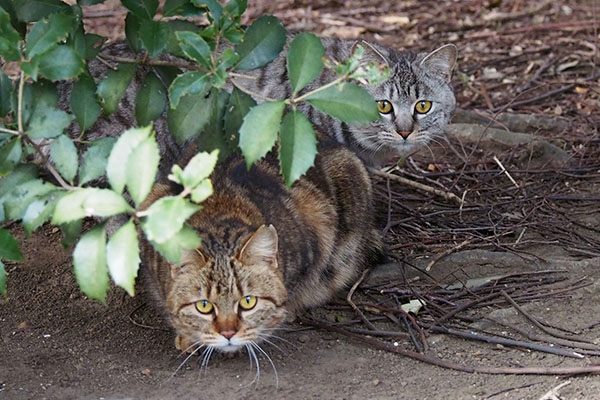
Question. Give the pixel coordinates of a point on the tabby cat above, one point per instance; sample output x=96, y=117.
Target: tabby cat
x=415, y=103
x=267, y=252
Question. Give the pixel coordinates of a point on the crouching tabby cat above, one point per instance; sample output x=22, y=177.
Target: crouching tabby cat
x=267, y=252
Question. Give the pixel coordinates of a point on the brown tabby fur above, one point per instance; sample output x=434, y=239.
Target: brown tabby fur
x=292, y=248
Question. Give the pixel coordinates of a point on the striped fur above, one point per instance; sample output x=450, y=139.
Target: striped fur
x=324, y=236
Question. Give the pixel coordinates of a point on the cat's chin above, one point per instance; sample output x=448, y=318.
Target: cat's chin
x=230, y=348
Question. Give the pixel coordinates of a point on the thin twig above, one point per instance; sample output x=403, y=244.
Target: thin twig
x=446, y=195
x=354, y=307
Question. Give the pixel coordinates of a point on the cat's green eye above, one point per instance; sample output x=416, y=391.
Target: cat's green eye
x=204, y=306
x=248, y=302
x=423, y=107
x=384, y=106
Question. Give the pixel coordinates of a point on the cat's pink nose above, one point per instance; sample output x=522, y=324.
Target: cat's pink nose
x=227, y=334
x=405, y=134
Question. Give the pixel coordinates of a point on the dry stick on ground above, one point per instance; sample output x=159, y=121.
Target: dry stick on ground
x=356, y=309
x=447, y=253
x=588, y=369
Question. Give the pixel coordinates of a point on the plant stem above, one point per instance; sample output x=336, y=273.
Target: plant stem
x=64, y=184
x=11, y=131
x=20, y=103
x=319, y=89
x=249, y=92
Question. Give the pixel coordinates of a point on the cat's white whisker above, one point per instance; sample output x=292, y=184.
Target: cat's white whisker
x=252, y=355
x=257, y=347
x=264, y=339
x=186, y=359
x=206, y=357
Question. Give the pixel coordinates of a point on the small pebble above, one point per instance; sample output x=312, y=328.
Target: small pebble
x=303, y=338
x=376, y=382
x=146, y=372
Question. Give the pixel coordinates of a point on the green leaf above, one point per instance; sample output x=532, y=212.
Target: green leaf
x=185, y=8
x=48, y=123
x=236, y=7
x=65, y=157
x=89, y=262
x=40, y=211
x=20, y=197
x=202, y=191
x=132, y=32
x=89, y=2
x=239, y=105
x=40, y=95
x=123, y=256
x=46, y=33
x=95, y=159
x=62, y=62
x=9, y=38
x=348, y=102
x=10, y=155
x=2, y=279
x=213, y=136
x=141, y=8
x=199, y=168
x=150, y=100
x=304, y=60
x=84, y=104
x=297, y=146
x=215, y=8
x=116, y=169
x=154, y=36
x=21, y=174
x=259, y=130
x=189, y=118
x=166, y=216
x=71, y=232
x=177, y=26
x=5, y=90
x=113, y=87
x=86, y=45
x=86, y=202
x=195, y=47
x=263, y=41
x=191, y=82
x=9, y=247
x=31, y=68
x=186, y=238
x=34, y=10
x=142, y=167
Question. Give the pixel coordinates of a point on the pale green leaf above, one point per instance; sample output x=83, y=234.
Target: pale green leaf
x=348, y=102
x=87, y=202
x=10, y=155
x=304, y=62
x=40, y=211
x=95, y=159
x=89, y=263
x=48, y=123
x=116, y=169
x=263, y=41
x=202, y=191
x=65, y=157
x=259, y=130
x=186, y=238
x=199, y=168
x=166, y=216
x=297, y=146
x=142, y=167
x=17, y=201
x=123, y=256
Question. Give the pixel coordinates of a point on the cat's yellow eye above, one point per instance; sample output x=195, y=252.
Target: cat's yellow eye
x=204, y=306
x=384, y=106
x=423, y=107
x=248, y=302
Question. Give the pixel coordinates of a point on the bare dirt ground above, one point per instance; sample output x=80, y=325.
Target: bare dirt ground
x=534, y=58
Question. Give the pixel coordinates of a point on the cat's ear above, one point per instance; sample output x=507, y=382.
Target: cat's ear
x=441, y=61
x=371, y=54
x=261, y=247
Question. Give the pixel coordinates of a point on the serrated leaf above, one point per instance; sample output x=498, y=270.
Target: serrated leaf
x=46, y=33
x=62, y=62
x=142, y=167
x=64, y=155
x=185, y=8
x=154, y=36
x=215, y=8
x=20, y=197
x=150, y=100
x=112, y=88
x=10, y=155
x=213, y=136
x=297, y=146
x=123, y=256
x=86, y=202
x=9, y=38
x=5, y=90
x=186, y=238
x=166, y=216
x=195, y=47
x=40, y=211
x=116, y=169
x=48, y=123
x=189, y=83
x=2, y=279
x=199, y=168
x=95, y=159
x=84, y=104
x=239, y=105
x=141, y=8
x=89, y=263
x=21, y=174
x=259, y=130
x=34, y=10
x=38, y=96
x=9, y=247
x=304, y=60
x=348, y=102
x=189, y=118
x=202, y=191
x=263, y=41
x=177, y=26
